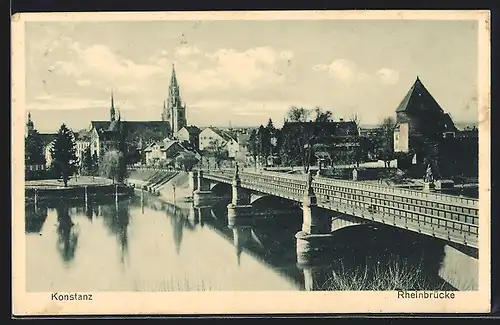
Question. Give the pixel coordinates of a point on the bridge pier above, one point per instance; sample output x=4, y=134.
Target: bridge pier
x=193, y=181
x=198, y=214
x=240, y=200
x=460, y=267
x=316, y=229
x=202, y=195
x=241, y=236
x=311, y=282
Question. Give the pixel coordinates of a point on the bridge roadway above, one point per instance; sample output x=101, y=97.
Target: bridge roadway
x=451, y=218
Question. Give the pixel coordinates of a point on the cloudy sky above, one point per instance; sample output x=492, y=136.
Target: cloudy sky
x=245, y=72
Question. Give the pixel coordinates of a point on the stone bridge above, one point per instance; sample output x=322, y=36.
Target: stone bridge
x=329, y=205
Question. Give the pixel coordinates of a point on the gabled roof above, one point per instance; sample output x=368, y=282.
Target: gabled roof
x=223, y=134
x=82, y=135
x=447, y=123
x=192, y=130
x=108, y=135
x=164, y=145
x=47, y=138
x=135, y=130
x=100, y=125
x=418, y=99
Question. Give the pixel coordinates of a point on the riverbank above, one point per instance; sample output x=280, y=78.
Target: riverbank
x=175, y=191
x=85, y=186
x=74, y=182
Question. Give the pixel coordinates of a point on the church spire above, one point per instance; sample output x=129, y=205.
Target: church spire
x=29, y=125
x=112, y=113
x=175, y=109
x=173, y=81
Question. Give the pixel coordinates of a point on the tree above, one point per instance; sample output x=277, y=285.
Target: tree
x=95, y=164
x=298, y=114
x=218, y=151
x=359, y=154
x=187, y=160
x=253, y=145
x=323, y=116
x=264, y=142
x=63, y=153
x=33, y=149
x=112, y=166
x=86, y=160
x=386, y=151
x=299, y=135
x=298, y=141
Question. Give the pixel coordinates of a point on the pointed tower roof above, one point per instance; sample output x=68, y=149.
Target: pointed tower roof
x=419, y=99
x=30, y=122
x=173, y=80
x=112, y=112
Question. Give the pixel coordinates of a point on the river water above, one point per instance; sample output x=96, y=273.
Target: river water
x=149, y=245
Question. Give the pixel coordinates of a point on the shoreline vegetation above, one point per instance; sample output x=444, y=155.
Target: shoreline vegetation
x=391, y=276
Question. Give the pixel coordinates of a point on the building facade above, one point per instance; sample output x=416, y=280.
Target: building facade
x=161, y=152
x=211, y=134
x=190, y=134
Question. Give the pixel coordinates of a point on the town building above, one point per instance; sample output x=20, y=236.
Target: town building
x=162, y=152
x=190, y=134
x=429, y=135
x=420, y=119
x=105, y=135
x=174, y=111
x=211, y=135
x=82, y=140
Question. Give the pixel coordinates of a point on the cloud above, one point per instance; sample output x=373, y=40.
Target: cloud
x=348, y=72
x=287, y=55
x=388, y=76
x=98, y=64
x=84, y=82
x=254, y=67
x=49, y=102
x=343, y=70
x=186, y=50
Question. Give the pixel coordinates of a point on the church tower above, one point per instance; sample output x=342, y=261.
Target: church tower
x=174, y=110
x=112, y=113
x=29, y=125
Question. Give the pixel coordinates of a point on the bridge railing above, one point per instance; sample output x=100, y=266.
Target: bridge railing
x=456, y=222
x=379, y=188
x=402, y=191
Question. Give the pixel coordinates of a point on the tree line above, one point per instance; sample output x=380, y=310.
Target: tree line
x=307, y=133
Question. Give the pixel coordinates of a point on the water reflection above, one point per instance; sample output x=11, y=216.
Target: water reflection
x=36, y=214
x=67, y=233
x=187, y=247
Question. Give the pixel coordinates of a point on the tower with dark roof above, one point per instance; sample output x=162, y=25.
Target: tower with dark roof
x=422, y=112
x=420, y=120
x=174, y=110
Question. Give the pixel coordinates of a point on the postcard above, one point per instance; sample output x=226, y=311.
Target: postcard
x=251, y=162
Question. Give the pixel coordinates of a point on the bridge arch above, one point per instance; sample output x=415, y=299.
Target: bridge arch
x=339, y=222
x=264, y=200
x=220, y=188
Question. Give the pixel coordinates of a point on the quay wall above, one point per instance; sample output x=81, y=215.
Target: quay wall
x=77, y=191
